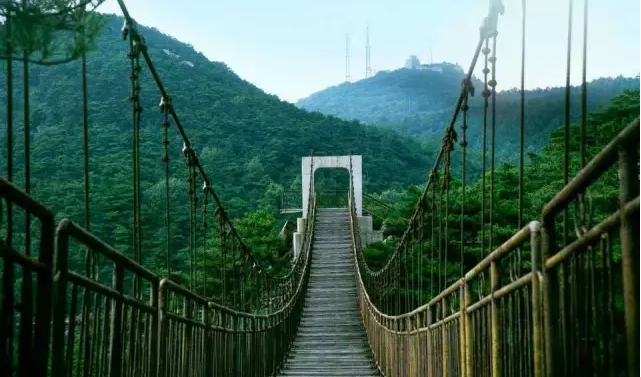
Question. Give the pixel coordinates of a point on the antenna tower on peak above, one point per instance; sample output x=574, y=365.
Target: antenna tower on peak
x=368, y=61
x=347, y=75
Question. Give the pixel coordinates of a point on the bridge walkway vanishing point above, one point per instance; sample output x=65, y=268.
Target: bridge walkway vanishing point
x=331, y=340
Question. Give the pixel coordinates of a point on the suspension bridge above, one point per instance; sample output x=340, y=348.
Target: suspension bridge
x=560, y=297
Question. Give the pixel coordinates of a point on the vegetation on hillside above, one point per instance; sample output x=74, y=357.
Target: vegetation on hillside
x=420, y=103
x=250, y=143
x=48, y=32
x=543, y=178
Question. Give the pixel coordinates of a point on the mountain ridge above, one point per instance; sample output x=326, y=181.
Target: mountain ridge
x=250, y=143
x=226, y=117
x=420, y=103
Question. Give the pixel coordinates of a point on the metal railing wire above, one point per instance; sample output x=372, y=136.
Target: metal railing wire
x=100, y=329
x=559, y=318
x=117, y=317
x=542, y=303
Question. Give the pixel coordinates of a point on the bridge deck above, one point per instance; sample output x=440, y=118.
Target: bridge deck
x=331, y=340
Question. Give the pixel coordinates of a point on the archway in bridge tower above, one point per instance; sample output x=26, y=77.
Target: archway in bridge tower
x=331, y=186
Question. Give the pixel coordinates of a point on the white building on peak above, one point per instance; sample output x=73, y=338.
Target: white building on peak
x=414, y=63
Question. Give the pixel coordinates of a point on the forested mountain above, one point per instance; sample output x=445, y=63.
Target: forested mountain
x=245, y=138
x=420, y=102
x=543, y=179
x=249, y=142
x=389, y=96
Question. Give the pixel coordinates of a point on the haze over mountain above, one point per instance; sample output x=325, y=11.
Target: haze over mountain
x=246, y=139
x=420, y=102
x=249, y=143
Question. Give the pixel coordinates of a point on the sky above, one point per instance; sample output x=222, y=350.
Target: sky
x=293, y=48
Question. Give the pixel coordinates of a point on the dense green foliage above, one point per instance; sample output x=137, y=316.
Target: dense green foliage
x=48, y=32
x=390, y=96
x=249, y=142
x=421, y=103
x=543, y=178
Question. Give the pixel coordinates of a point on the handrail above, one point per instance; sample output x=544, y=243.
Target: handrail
x=461, y=326
x=592, y=171
x=505, y=316
x=134, y=324
x=138, y=309
x=508, y=246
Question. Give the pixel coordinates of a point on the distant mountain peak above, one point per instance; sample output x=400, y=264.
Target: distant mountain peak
x=247, y=140
x=419, y=98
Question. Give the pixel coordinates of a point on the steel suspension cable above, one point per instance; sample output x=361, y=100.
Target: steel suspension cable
x=234, y=292
x=584, y=86
x=410, y=248
x=90, y=262
x=204, y=224
x=566, y=128
x=405, y=280
x=567, y=269
x=587, y=263
x=256, y=290
x=583, y=227
x=189, y=212
x=135, y=46
x=421, y=248
x=85, y=124
x=433, y=175
x=521, y=333
x=486, y=95
x=26, y=309
x=417, y=262
x=8, y=273
x=188, y=152
x=398, y=285
x=241, y=281
x=492, y=84
x=165, y=105
x=92, y=267
x=449, y=139
x=27, y=149
x=522, y=117
x=441, y=251
x=194, y=226
x=469, y=90
x=244, y=281
x=515, y=271
x=223, y=259
x=253, y=288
